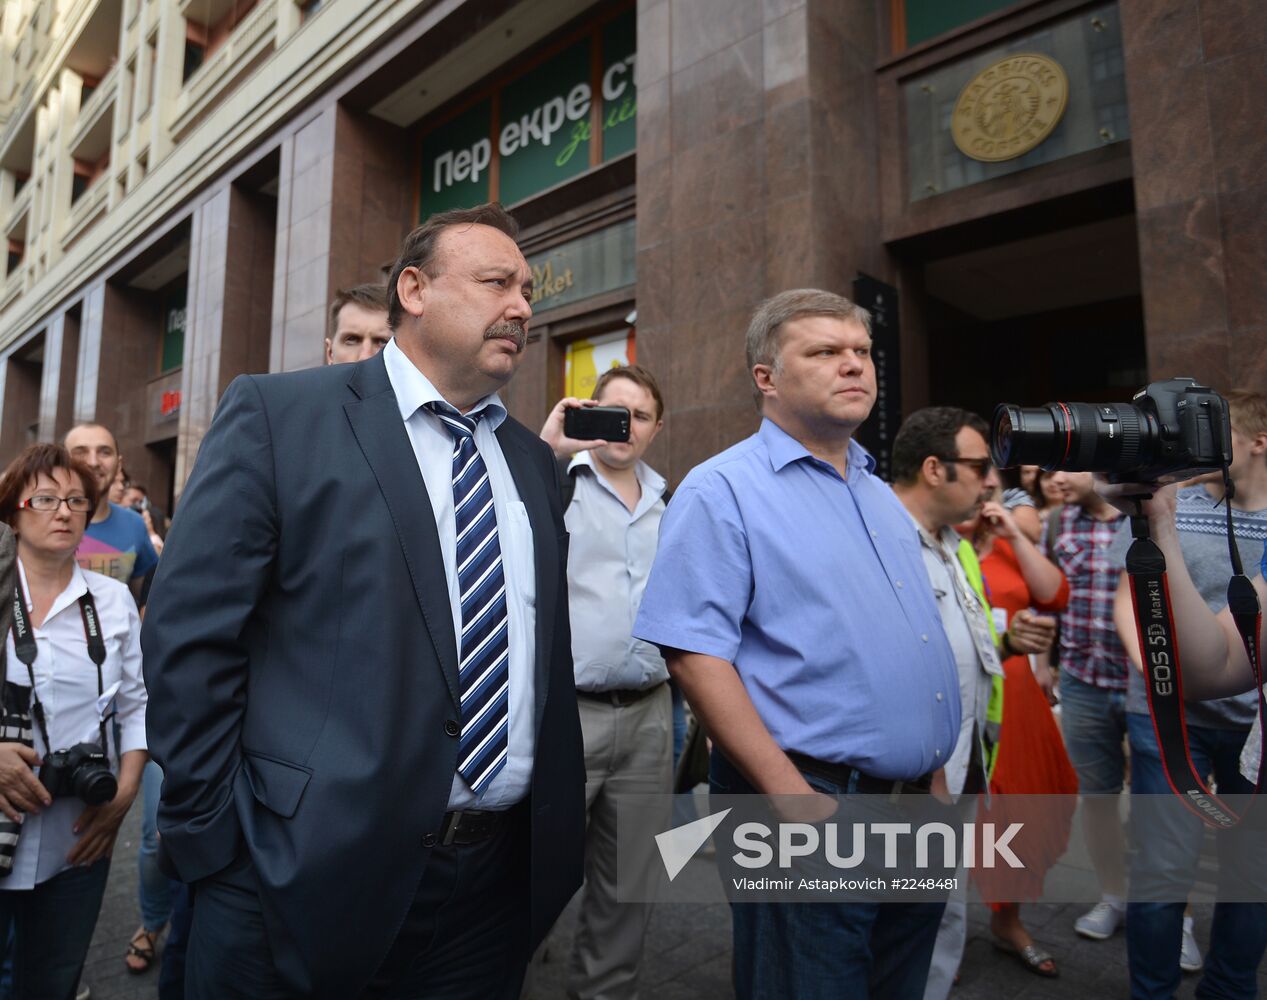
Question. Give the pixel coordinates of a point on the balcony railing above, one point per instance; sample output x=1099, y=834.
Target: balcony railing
x=249, y=41
x=97, y=104
x=87, y=209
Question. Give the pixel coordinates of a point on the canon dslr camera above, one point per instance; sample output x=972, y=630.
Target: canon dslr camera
x=82, y=770
x=1170, y=431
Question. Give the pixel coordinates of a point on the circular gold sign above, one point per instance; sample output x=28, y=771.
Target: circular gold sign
x=1009, y=107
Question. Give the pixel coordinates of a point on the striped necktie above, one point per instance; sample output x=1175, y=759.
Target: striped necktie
x=484, y=660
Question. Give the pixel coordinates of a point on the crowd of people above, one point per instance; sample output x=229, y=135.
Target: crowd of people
x=383, y=705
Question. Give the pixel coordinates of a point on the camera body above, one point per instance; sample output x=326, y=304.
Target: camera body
x=1170, y=431
x=83, y=771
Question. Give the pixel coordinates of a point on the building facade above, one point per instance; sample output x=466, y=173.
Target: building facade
x=1043, y=199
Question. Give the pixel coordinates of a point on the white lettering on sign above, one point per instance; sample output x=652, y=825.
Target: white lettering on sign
x=620, y=71
x=541, y=125
x=579, y=102
x=466, y=164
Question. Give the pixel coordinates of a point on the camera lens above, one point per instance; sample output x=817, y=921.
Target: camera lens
x=95, y=784
x=1026, y=436
x=1078, y=437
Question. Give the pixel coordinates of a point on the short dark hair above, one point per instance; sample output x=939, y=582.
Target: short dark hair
x=637, y=375
x=371, y=297
x=92, y=423
x=419, y=249
x=930, y=431
x=40, y=460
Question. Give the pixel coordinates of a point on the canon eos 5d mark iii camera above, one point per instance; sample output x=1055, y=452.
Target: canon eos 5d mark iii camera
x=1170, y=431
x=82, y=771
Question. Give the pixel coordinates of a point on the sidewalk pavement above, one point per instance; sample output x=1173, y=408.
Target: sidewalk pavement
x=688, y=950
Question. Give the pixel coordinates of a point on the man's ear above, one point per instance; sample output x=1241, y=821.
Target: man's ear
x=933, y=471
x=763, y=375
x=411, y=290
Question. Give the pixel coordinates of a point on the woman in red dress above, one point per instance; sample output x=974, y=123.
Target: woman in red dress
x=1032, y=758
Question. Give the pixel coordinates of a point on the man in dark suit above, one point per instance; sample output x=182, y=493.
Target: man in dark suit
x=358, y=659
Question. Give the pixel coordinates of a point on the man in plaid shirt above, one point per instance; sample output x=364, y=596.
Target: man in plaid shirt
x=1093, y=673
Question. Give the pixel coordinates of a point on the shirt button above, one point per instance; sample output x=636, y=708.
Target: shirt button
x=939, y=696
x=874, y=535
x=924, y=637
x=429, y=840
x=936, y=753
x=451, y=728
x=899, y=584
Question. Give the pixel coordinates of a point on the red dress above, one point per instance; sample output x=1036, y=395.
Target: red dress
x=1032, y=758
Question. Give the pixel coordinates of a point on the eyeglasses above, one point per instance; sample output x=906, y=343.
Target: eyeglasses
x=47, y=504
x=981, y=466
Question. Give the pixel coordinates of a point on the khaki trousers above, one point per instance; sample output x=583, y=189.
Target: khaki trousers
x=628, y=750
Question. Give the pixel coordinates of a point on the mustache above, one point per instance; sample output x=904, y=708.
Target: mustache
x=511, y=330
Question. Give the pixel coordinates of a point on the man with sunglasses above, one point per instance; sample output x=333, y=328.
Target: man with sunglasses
x=942, y=474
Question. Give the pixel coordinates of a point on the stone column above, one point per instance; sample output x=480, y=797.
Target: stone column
x=229, y=316
x=1196, y=71
x=345, y=201
x=756, y=173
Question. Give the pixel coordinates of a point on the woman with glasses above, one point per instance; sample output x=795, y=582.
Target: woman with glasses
x=73, y=662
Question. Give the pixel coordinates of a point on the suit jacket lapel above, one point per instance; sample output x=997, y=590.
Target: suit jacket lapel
x=375, y=420
x=545, y=547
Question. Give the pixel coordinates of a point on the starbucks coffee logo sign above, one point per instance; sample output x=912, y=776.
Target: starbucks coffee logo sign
x=1009, y=107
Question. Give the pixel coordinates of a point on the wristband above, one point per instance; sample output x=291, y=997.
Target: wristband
x=1006, y=645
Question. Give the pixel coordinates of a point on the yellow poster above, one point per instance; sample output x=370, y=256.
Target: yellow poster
x=585, y=360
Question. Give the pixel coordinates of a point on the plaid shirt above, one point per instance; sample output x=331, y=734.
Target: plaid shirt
x=1090, y=649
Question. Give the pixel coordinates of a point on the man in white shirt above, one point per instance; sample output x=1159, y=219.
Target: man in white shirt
x=613, y=523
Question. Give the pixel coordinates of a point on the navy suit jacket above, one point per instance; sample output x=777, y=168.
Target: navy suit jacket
x=302, y=667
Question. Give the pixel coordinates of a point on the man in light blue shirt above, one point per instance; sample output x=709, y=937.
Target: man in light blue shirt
x=790, y=599
x=613, y=523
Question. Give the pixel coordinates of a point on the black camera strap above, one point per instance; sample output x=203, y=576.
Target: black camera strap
x=24, y=646
x=1150, y=596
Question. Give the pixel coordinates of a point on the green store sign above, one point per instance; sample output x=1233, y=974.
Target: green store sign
x=537, y=130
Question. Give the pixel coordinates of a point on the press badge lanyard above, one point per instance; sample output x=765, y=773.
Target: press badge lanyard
x=1150, y=596
x=24, y=646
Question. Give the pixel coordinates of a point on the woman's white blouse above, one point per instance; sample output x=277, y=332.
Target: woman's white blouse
x=66, y=682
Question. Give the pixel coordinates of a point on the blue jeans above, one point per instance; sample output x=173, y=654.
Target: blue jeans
x=679, y=722
x=52, y=928
x=1093, y=721
x=1163, y=870
x=153, y=888
x=826, y=950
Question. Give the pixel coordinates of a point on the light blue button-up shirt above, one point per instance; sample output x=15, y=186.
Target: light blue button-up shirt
x=433, y=448
x=610, y=552
x=814, y=587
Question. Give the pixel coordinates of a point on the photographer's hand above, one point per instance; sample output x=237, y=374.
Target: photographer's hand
x=552, y=430
x=97, y=826
x=20, y=791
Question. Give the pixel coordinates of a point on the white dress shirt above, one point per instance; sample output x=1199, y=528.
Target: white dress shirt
x=66, y=683
x=610, y=552
x=964, y=619
x=433, y=448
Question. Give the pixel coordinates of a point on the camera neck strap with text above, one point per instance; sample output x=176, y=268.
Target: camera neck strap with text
x=1150, y=595
x=24, y=646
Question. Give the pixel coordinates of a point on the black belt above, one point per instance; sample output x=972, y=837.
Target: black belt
x=843, y=774
x=471, y=826
x=620, y=697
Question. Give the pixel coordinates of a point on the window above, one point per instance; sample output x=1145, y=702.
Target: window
x=173, y=349
x=17, y=250
x=151, y=70
x=306, y=10
x=193, y=59
x=916, y=21
x=78, y=185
